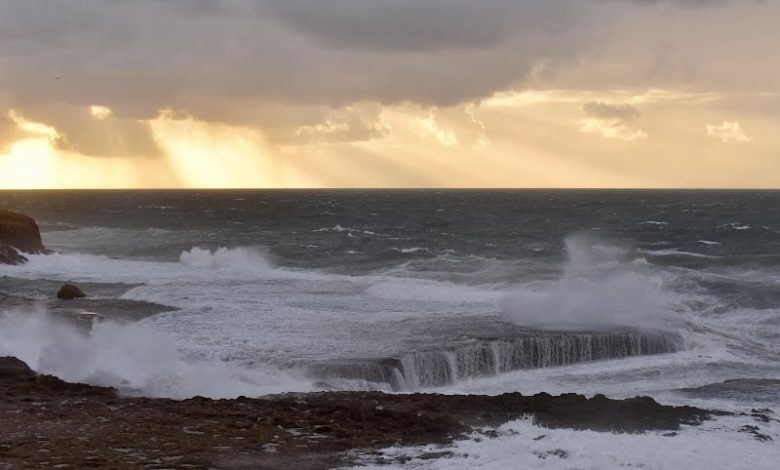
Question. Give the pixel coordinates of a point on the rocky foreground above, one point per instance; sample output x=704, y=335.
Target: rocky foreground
x=48, y=423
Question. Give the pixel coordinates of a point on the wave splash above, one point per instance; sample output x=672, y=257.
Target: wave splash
x=133, y=358
x=602, y=285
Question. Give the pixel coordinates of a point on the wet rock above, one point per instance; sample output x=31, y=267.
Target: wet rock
x=756, y=432
x=69, y=292
x=19, y=232
x=9, y=255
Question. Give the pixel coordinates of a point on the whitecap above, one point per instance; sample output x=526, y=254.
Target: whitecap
x=709, y=243
x=735, y=226
x=654, y=222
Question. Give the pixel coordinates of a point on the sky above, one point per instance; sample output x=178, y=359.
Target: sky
x=389, y=93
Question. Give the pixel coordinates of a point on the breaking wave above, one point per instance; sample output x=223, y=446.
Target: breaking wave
x=134, y=358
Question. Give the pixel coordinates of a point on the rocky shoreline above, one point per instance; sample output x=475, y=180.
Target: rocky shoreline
x=19, y=234
x=48, y=423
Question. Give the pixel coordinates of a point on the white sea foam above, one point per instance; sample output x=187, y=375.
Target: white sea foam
x=410, y=250
x=431, y=291
x=350, y=231
x=674, y=252
x=335, y=228
x=236, y=307
x=657, y=223
x=735, y=226
x=239, y=259
x=709, y=243
x=132, y=357
x=715, y=445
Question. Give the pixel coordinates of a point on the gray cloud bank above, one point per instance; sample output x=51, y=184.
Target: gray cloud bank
x=226, y=60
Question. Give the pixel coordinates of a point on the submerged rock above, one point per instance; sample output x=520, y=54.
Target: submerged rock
x=18, y=234
x=738, y=389
x=69, y=291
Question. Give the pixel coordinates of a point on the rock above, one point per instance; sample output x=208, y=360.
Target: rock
x=21, y=232
x=69, y=292
x=18, y=234
x=12, y=369
x=9, y=255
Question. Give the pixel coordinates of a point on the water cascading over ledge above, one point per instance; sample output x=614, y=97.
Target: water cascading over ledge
x=488, y=357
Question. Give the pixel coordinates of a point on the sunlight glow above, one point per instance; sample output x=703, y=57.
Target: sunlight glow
x=207, y=155
x=35, y=162
x=542, y=138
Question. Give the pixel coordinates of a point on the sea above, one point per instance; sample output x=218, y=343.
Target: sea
x=668, y=294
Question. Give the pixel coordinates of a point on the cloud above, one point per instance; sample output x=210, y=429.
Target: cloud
x=412, y=25
x=728, y=132
x=611, y=121
x=89, y=130
x=9, y=132
x=430, y=129
x=605, y=111
x=139, y=56
x=351, y=124
x=281, y=65
x=100, y=112
x=29, y=128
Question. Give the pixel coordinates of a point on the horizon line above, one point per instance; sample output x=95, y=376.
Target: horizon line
x=421, y=188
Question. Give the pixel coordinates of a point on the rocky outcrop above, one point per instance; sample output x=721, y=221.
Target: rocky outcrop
x=14, y=370
x=69, y=292
x=18, y=234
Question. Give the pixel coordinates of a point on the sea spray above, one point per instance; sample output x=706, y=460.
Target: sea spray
x=134, y=358
x=602, y=285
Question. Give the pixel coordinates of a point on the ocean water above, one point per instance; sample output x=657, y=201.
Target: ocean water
x=617, y=292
